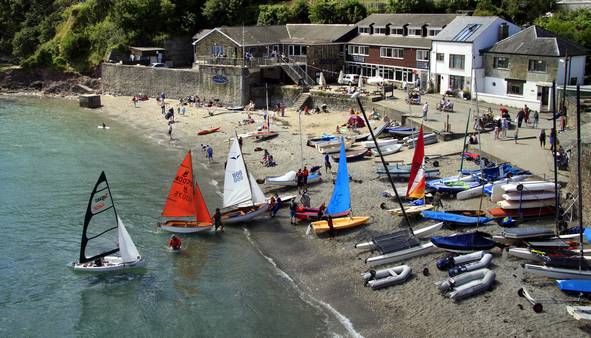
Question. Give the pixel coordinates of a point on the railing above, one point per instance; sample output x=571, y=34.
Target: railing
x=297, y=74
x=250, y=62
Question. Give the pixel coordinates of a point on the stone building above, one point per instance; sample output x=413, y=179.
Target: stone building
x=520, y=69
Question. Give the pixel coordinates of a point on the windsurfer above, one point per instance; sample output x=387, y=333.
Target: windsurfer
x=174, y=243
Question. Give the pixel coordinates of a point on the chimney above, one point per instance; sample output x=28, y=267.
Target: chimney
x=503, y=31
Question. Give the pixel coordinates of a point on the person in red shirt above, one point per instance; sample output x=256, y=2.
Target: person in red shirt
x=174, y=243
x=305, y=177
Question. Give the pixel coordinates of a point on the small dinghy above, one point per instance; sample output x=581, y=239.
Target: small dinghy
x=378, y=279
x=529, y=196
x=264, y=136
x=401, y=131
x=411, y=209
x=381, y=143
x=208, y=131
x=477, y=191
x=387, y=149
x=402, y=255
x=472, y=241
x=449, y=262
x=104, y=235
x=574, y=285
x=376, y=132
x=429, y=139
x=235, y=108
x=316, y=140
x=579, y=312
x=456, y=219
x=334, y=147
x=452, y=186
x=289, y=179
x=467, y=284
x=403, y=171
x=508, y=205
x=352, y=155
x=527, y=233
x=557, y=273
x=483, y=262
x=527, y=187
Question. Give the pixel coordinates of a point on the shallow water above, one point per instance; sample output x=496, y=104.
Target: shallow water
x=51, y=153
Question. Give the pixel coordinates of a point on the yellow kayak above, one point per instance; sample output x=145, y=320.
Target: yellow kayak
x=415, y=209
x=339, y=223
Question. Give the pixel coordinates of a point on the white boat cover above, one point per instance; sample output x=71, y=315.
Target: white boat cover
x=127, y=248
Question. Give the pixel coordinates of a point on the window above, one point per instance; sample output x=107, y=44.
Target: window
x=456, y=61
x=296, y=50
x=397, y=31
x=433, y=32
x=415, y=32
x=217, y=50
x=501, y=62
x=358, y=50
x=439, y=57
x=537, y=66
x=456, y=82
x=515, y=87
x=467, y=32
x=422, y=55
x=380, y=31
x=363, y=30
x=395, y=53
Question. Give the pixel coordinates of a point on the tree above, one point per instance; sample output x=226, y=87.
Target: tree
x=324, y=11
x=300, y=12
x=273, y=15
x=351, y=11
x=526, y=11
x=486, y=8
x=409, y=6
x=573, y=25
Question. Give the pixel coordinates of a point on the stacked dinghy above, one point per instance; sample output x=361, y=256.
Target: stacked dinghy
x=378, y=279
x=469, y=275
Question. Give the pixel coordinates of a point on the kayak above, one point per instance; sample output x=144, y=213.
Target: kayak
x=208, y=131
x=339, y=223
x=526, y=212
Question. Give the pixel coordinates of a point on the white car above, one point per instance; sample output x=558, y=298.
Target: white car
x=351, y=79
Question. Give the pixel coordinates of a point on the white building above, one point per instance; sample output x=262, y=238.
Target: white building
x=456, y=55
x=520, y=69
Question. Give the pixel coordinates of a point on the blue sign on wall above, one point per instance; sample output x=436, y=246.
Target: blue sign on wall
x=220, y=79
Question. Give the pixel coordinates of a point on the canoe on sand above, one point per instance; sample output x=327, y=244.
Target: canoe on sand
x=339, y=223
x=208, y=131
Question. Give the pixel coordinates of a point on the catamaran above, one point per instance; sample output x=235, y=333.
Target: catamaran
x=186, y=202
x=243, y=198
x=97, y=250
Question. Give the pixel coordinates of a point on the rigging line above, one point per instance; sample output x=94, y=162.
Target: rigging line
x=95, y=236
x=98, y=213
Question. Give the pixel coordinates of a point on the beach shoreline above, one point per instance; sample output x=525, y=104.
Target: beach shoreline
x=329, y=270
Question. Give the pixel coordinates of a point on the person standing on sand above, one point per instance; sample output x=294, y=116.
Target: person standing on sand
x=542, y=138
x=305, y=199
x=327, y=165
x=217, y=220
x=536, y=119
x=425, y=110
x=293, y=207
x=305, y=174
x=209, y=154
x=516, y=136
x=170, y=130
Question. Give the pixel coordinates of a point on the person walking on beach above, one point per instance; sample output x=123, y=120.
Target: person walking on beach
x=293, y=207
x=536, y=119
x=504, y=126
x=277, y=206
x=170, y=130
x=327, y=165
x=552, y=139
x=305, y=199
x=134, y=100
x=425, y=110
x=520, y=117
x=516, y=136
x=209, y=154
x=497, y=128
x=542, y=138
x=217, y=220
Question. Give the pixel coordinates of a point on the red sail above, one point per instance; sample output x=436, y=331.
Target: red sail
x=416, y=182
x=181, y=198
x=201, y=212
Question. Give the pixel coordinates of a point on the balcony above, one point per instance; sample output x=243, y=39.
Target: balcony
x=250, y=62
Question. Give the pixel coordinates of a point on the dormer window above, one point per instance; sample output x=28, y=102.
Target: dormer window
x=433, y=32
x=363, y=30
x=399, y=31
x=380, y=30
x=415, y=32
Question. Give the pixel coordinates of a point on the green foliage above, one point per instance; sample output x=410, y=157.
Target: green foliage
x=230, y=12
x=526, y=11
x=300, y=12
x=351, y=11
x=323, y=11
x=274, y=15
x=409, y=6
x=574, y=26
x=486, y=8
x=331, y=11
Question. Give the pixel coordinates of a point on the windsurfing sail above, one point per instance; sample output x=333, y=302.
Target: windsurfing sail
x=340, y=201
x=416, y=183
x=100, y=222
x=185, y=198
x=239, y=185
x=129, y=252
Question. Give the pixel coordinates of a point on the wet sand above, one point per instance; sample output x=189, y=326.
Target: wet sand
x=330, y=270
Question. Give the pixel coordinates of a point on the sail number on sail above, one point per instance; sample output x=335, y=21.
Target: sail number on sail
x=186, y=181
x=237, y=176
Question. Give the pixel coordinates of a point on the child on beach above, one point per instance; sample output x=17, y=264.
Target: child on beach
x=209, y=154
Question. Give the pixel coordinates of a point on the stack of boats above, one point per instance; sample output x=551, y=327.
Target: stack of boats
x=526, y=199
x=468, y=275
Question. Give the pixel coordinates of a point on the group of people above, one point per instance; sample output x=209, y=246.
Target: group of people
x=208, y=151
x=445, y=104
x=268, y=160
x=302, y=178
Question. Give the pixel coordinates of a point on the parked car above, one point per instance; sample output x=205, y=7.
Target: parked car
x=158, y=65
x=351, y=79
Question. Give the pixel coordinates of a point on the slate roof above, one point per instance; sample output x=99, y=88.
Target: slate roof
x=290, y=33
x=460, y=24
x=535, y=40
x=413, y=20
x=393, y=41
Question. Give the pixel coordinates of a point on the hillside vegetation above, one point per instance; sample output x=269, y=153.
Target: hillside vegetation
x=76, y=35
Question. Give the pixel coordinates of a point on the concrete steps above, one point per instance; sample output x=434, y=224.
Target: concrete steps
x=301, y=101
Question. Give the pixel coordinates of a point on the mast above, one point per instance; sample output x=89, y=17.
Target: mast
x=554, y=139
x=579, y=180
x=464, y=145
x=246, y=169
x=373, y=137
x=479, y=145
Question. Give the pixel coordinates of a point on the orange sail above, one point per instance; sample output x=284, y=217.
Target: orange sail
x=184, y=198
x=416, y=183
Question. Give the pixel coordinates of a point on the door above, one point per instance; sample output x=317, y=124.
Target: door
x=438, y=83
x=544, y=99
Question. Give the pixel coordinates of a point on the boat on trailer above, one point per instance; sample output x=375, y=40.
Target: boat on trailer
x=102, y=228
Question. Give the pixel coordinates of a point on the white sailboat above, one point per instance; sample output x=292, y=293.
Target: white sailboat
x=97, y=250
x=243, y=198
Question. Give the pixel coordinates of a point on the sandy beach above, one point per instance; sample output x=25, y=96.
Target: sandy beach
x=329, y=270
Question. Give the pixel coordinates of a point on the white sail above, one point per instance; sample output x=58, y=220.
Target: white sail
x=236, y=187
x=258, y=196
x=127, y=249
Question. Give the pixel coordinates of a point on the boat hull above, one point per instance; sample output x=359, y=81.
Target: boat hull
x=185, y=227
x=339, y=223
x=556, y=273
x=111, y=264
x=402, y=255
x=411, y=210
x=242, y=215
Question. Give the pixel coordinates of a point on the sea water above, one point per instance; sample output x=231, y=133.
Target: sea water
x=51, y=154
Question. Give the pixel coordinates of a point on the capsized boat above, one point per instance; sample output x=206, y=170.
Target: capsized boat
x=340, y=201
x=104, y=235
x=240, y=189
x=185, y=203
x=289, y=179
x=525, y=212
x=512, y=204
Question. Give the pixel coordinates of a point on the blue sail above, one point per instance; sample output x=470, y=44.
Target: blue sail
x=340, y=201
